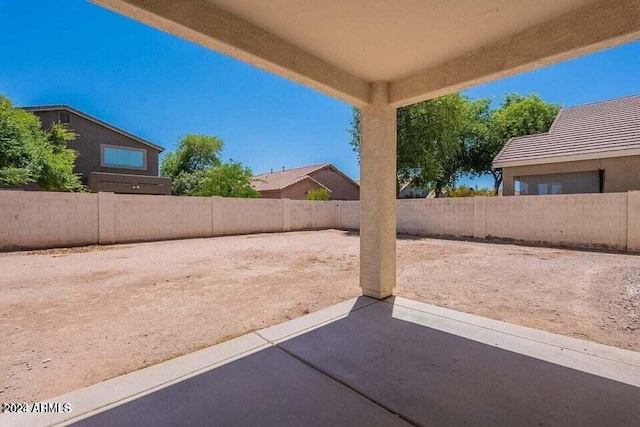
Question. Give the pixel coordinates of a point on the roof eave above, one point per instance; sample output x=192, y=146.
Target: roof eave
x=568, y=158
x=95, y=120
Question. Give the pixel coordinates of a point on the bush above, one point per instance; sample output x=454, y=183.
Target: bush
x=464, y=191
x=31, y=155
x=319, y=194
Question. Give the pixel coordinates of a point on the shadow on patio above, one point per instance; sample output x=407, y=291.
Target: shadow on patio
x=368, y=362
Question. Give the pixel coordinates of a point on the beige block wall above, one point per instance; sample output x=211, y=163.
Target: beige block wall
x=147, y=218
x=436, y=217
x=310, y=215
x=633, y=221
x=573, y=220
x=244, y=216
x=34, y=219
x=30, y=220
x=348, y=215
x=581, y=220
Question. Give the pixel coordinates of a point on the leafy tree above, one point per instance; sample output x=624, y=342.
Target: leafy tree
x=440, y=139
x=430, y=150
x=319, y=194
x=186, y=165
x=187, y=183
x=228, y=180
x=518, y=115
x=195, y=169
x=29, y=154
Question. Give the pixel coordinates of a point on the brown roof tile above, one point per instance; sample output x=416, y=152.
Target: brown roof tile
x=599, y=130
x=282, y=179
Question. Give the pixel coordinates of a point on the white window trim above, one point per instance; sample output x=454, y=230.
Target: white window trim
x=120, y=147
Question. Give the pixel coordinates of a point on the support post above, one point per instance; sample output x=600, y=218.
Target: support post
x=378, y=194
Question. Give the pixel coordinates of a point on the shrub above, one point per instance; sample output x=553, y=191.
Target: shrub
x=464, y=191
x=319, y=194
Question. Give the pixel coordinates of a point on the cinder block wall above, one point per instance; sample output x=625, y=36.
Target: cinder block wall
x=610, y=220
x=245, y=216
x=593, y=220
x=348, y=215
x=436, y=217
x=34, y=220
x=146, y=218
x=30, y=220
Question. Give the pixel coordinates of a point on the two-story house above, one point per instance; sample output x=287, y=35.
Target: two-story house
x=109, y=158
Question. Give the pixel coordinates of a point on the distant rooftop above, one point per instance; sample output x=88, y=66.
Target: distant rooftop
x=593, y=131
x=279, y=180
x=282, y=179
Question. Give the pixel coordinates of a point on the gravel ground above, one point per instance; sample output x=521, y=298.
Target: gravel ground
x=74, y=317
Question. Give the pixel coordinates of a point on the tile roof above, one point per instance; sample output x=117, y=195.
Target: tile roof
x=282, y=179
x=599, y=130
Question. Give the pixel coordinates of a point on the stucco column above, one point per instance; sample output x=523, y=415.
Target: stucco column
x=378, y=194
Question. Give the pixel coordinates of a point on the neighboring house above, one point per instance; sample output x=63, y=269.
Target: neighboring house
x=109, y=159
x=592, y=148
x=296, y=183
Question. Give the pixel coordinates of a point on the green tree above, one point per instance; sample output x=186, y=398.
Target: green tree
x=29, y=154
x=430, y=151
x=195, y=169
x=228, y=180
x=518, y=115
x=319, y=194
x=187, y=164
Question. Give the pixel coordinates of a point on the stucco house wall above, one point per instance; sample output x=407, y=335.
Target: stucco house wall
x=341, y=187
x=296, y=183
x=90, y=137
x=297, y=191
x=621, y=174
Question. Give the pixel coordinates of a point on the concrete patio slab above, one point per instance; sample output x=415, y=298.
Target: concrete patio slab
x=561, y=341
x=287, y=330
x=267, y=388
x=368, y=362
x=433, y=377
x=116, y=391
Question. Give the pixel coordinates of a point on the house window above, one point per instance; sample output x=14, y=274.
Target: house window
x=64, y=117
x=120, y=157
x=559, y=183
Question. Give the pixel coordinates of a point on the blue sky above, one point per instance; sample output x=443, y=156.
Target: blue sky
x=160, y=87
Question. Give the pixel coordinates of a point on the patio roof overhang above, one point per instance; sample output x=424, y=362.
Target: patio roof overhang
x=379, y=55
x=422, y=48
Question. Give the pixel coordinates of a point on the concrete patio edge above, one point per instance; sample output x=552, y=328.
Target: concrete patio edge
x=300, y=325
x=98, y=397
x=107, y=394
x=618, y=365
x=608, y=362
x=569, y=343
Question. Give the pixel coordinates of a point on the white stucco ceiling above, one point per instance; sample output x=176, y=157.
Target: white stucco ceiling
x=421, y=48
x=392, y=39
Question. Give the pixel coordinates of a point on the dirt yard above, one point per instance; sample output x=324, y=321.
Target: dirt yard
x=75, y=317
